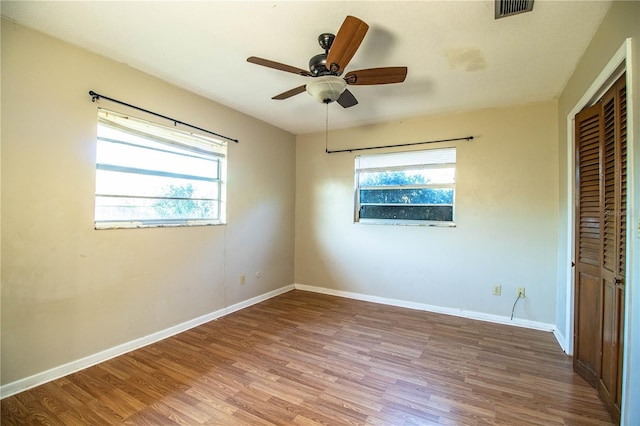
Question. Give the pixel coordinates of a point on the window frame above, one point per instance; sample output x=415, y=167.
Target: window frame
x=191, y=144
x=416, y=166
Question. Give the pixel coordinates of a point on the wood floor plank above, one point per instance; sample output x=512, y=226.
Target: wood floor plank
x=309, y=359
x=81, y=416
x=12, y=408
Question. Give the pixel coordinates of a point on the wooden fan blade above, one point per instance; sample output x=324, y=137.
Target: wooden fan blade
x=346, y=43
x=290, y=93
x=369, y=76
x=347, y=99
x=278, y=66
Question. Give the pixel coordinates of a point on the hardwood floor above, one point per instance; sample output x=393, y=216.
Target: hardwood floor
x=307, y=359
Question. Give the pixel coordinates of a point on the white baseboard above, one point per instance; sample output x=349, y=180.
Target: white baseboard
x=431, y=308
x=80, y=364
x=562, y=341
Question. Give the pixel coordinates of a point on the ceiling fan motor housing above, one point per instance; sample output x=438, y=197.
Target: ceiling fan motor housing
x=317, y=65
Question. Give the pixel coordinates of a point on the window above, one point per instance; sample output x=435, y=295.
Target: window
x=416, y=187
x=151, y=175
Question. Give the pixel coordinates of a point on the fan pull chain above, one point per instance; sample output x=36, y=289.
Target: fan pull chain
x=326, y=131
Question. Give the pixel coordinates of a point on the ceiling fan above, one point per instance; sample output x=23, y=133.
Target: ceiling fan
x=326, y=68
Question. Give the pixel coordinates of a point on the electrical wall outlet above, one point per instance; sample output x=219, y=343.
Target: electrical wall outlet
x=243, y=279
x=259, y=274
x=497, y=290
x=520, y=292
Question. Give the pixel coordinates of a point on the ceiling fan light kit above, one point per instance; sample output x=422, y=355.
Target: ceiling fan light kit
x=326, y=68
x=326, y=89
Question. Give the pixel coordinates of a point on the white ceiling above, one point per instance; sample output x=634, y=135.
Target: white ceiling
x=459, y=57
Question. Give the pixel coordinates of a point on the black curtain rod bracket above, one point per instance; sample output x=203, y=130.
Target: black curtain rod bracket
x=466, y=138
x=96, y=96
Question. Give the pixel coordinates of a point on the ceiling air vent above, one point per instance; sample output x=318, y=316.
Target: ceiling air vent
x=506, y=8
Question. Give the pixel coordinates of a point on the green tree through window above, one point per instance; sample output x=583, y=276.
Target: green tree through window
x=179, y=202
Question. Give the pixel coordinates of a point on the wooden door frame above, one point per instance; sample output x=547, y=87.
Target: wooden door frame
x=620, y=62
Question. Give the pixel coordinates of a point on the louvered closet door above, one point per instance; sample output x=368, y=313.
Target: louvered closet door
x=601, y=208
x=614, y=242
x=588, y=309
x=622, y=232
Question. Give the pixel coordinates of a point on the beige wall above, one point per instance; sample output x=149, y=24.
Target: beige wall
x=69, y=291
x=621, y=22
x=506, y=204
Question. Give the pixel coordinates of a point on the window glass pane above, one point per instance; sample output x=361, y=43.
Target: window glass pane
x=408, y=177
x=407, y=196
x=132, y=184
x=407, y=212
x=119, y=134
x=114, y=209
x=123, y=155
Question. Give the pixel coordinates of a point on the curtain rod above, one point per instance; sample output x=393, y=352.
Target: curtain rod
x=96, y=96
x=466, y=138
